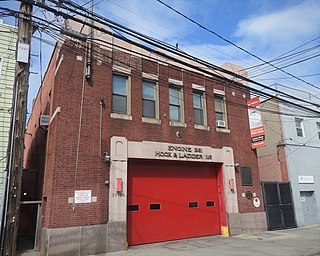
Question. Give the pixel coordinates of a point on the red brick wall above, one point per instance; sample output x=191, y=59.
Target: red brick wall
x=64, y=173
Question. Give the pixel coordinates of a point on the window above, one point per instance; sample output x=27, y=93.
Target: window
x=120, y=92
x=210, y=203
x=198, y=107
x=154, y=207
x=299, y=127
x=149, y=99
x=246, y=178
x=220, y=108
x=175, y=102
x=193, y=204
x=0, y=66
x=133, y=208
x=318, y=129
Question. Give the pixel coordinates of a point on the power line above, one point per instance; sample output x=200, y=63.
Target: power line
x=176, y=32
x=281, y=78
x=165, y=46
x=294, y=63
x=157, y=43
x=298, y=147
x=192, y=39
x=131, y=32
x=235, y=45
x=284, y=59
x=230, y=102
x=237, y=87
x=256, y=91
x=280, y=56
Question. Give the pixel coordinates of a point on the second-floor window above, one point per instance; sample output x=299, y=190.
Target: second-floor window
x=120, y=92
x=299, y=127
x=176, y=104
x=198, y=107
x=318, y=129
x=220, y=109
x=149, y=99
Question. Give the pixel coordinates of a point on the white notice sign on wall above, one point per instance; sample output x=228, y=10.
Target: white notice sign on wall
x=23, y=53
x=82, y=196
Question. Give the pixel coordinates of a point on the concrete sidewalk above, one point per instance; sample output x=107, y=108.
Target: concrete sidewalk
x=291, y=242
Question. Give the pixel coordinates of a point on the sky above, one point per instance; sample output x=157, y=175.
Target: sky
x=265, y=28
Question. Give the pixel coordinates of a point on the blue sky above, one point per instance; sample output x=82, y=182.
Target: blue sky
x=267, y=28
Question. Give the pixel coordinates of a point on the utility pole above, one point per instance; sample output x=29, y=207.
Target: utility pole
x=18, y=123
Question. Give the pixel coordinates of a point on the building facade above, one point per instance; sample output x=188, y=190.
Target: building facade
x=8, y=40
x=147, y=150
x=289, y=159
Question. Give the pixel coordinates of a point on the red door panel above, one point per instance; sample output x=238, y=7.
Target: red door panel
x=169, y=201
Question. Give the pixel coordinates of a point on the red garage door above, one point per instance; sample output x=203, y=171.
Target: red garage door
x=168, y=201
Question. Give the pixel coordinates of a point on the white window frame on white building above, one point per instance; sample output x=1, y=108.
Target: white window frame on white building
x=125, y=74
x=150, y=82
x=221, y=113
x=0, y=65
x=299, y=127
x=176, y=102
x=318, y=129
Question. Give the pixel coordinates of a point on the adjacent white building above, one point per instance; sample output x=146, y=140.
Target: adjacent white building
x=291, y=158
x=8, y=39
x=302, y=149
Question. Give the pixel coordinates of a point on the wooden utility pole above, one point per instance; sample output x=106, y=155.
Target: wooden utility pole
x=19, y=123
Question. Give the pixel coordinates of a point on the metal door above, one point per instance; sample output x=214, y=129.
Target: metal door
x=279, y=205
x=168, y=201
x=309, y=207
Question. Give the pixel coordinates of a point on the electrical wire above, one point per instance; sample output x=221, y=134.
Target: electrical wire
x=284, y=54
x=139, y=36
x=288, y=59
x=235, y=45
x=186, y=91
x=227, y=101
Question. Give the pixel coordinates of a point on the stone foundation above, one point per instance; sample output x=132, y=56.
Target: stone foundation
x=84, y=240
x=240, y=223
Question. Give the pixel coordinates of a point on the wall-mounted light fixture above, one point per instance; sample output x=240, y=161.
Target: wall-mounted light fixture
x=106, y=157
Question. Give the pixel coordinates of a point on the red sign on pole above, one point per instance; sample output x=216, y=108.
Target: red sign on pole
x=256, y=127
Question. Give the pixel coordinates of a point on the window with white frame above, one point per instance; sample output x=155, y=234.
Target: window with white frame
x=0, y=66
x=120, y=94
x=220, y=109
x=199, y=107
x=299, y=127
x=318, y=129
x=175, y=103
x=149, y=99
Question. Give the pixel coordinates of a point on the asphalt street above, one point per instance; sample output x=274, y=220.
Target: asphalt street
x=291, y=242
x=303, y=241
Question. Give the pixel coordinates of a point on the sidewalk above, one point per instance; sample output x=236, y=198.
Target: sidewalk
x=291, y=242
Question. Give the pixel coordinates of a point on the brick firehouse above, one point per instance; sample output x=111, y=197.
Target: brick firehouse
x=146, y=150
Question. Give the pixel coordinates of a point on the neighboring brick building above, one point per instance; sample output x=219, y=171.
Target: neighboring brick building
x=145, y=151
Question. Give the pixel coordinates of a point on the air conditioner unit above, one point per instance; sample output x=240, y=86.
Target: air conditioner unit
x=44, y=120
x=221, y=123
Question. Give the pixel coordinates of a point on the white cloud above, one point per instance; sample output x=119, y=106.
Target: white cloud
x=290, y=24
x=149, y=17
